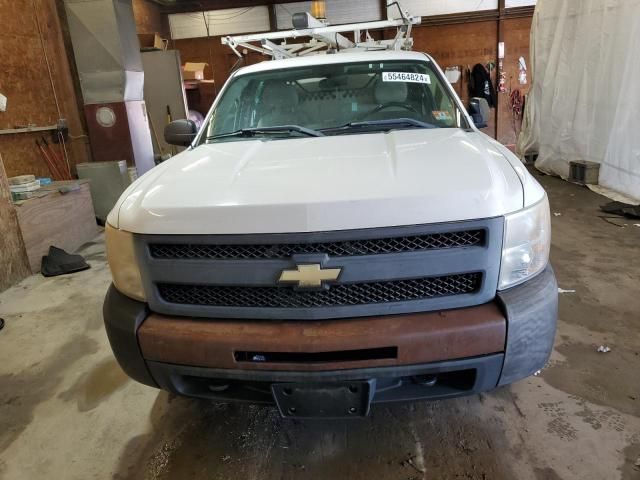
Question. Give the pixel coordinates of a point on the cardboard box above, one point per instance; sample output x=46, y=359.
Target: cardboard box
x=193, y=71
x=151, y=41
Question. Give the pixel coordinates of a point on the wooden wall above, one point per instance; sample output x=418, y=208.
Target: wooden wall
x=13, y=258
x=24, y=80
x=516, y=37
x=462, y=45
x=219, y=58
x=149, y=19
x=466, y=44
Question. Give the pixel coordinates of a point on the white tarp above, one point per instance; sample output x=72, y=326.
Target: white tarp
x=585, y=98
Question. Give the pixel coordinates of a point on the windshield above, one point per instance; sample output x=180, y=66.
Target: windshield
x=333, y=99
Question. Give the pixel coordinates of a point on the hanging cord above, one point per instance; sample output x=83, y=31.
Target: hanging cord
x=46, y=57
x=53, y=86
x=64, y=149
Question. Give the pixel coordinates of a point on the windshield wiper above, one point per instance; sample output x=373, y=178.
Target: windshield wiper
x=374, y=125
x=252, y=132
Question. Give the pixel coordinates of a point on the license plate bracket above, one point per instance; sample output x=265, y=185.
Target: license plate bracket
x=324, y=400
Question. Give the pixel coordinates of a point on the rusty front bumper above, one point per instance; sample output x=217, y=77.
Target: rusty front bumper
x=465, y=351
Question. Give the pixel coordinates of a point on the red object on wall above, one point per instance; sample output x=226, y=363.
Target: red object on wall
x=109, y=142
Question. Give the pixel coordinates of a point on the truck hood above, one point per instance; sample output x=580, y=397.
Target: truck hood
x=403, y=177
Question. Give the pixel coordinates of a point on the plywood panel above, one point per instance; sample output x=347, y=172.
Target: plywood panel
x=148, y=17
x=24, y=79
x=13, y=258
x=65, y=221
x=22, y=155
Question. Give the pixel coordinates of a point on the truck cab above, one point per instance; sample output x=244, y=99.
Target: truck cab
x=338, y=233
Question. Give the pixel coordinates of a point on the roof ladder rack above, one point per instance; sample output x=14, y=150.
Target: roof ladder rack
x=324, y=38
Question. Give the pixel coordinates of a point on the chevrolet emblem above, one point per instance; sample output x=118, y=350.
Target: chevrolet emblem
x=309, y=276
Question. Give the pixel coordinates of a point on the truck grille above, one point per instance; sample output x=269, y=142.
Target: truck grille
x=375, y=246
x=383, y=271
x=337, y=295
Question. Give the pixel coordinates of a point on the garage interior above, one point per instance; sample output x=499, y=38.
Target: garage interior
x=86, y=90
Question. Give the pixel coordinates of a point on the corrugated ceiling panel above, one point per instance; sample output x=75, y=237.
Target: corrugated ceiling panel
x=338, y=12
x=230, y=21
x=443, y=7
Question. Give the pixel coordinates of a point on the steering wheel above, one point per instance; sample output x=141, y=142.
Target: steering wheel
x=406, y=106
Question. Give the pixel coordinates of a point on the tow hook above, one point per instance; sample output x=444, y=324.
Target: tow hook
x=425, y=380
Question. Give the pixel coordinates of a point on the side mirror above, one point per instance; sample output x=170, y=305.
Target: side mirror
x=180, y=132
x=479, y=111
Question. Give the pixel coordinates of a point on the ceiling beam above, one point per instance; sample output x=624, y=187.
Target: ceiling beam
x=479, y=16
x=183, y=6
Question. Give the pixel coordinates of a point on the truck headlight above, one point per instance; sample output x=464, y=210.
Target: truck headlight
x=527, y=240
x=121, y=256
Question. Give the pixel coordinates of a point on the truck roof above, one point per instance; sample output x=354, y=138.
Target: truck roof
x=327, y=59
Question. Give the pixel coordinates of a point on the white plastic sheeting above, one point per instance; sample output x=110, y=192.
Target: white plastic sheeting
x=585, y=99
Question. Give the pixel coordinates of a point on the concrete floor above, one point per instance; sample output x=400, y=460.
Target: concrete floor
x=68, y=412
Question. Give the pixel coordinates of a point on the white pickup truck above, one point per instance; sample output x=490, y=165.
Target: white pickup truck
x=338, y=233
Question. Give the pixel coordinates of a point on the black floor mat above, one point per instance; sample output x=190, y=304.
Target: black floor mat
x=622, y=209
x=59, y=262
